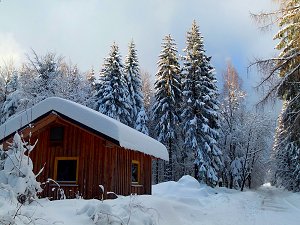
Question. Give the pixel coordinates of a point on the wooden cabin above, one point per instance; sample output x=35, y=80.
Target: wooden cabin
x=82, y=150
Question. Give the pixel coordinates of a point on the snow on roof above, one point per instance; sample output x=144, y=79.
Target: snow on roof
x=126, y=136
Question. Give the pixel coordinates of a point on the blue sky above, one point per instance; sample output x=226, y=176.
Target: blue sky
x=83, y=30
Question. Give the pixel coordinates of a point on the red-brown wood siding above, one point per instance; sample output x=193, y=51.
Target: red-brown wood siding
x=100, y=161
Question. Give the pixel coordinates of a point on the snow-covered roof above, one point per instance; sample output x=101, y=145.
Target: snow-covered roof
x=125, y=136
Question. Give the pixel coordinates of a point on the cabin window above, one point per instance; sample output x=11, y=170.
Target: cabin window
x=56, y=134
x=66, y=169
x=135, y=172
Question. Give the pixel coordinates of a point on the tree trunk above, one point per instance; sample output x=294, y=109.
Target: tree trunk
x=243, y=184
x=249, y=180
x=169, y=171
x=231, y=182
x=245, y=170
x=157, y=172
x=196, y=171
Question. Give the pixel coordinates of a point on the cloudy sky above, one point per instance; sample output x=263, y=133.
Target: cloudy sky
x=83, y=30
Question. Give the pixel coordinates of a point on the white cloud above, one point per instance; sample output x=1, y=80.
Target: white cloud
x=10, y=49
x=84, y=30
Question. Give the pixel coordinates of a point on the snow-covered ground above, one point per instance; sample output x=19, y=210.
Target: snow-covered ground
x=185, y=202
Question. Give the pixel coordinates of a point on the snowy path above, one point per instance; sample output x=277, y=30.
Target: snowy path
x=220, y=206
x=273, y=201
x=279, y=207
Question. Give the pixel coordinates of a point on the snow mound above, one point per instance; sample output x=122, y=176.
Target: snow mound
x=184, y=190
x=267, y=185
x=188, y=181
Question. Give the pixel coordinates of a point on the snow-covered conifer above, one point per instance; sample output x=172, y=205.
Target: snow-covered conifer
x=112, y=93
x=13, y=98
x=167, y=98
x=286, y=87
x=134, y=84
x=141, y=122
x=9, y=91
x=200, y=107
x=286, y=154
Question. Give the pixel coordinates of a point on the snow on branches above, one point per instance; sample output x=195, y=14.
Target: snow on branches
x=17, y=180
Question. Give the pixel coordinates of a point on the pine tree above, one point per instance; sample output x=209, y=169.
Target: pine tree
x=167, y=95
x=200, y=106
x=277, y=156
x=287, y=65
x=134, y=84
x=286, y=154
x=141, y=122
x=112, y=93
x=13, y=98
x=9, y=97
x=288, y=36
x=283, y=73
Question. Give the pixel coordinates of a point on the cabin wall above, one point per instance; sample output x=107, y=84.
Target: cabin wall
x=100, y=163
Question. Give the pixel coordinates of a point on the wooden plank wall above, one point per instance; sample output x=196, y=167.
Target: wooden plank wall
x=100, y=162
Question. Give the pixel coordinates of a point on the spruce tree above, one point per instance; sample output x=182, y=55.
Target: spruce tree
x=286, y=153
x=167, y=99
x=141, y=122
x=112, y=93
x=200, y=105
x=13, y=98
x=286, y=65
x=134, y=84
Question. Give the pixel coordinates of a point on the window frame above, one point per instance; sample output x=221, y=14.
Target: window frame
x=55, y=142
x=138, y=172
x=56, y=169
